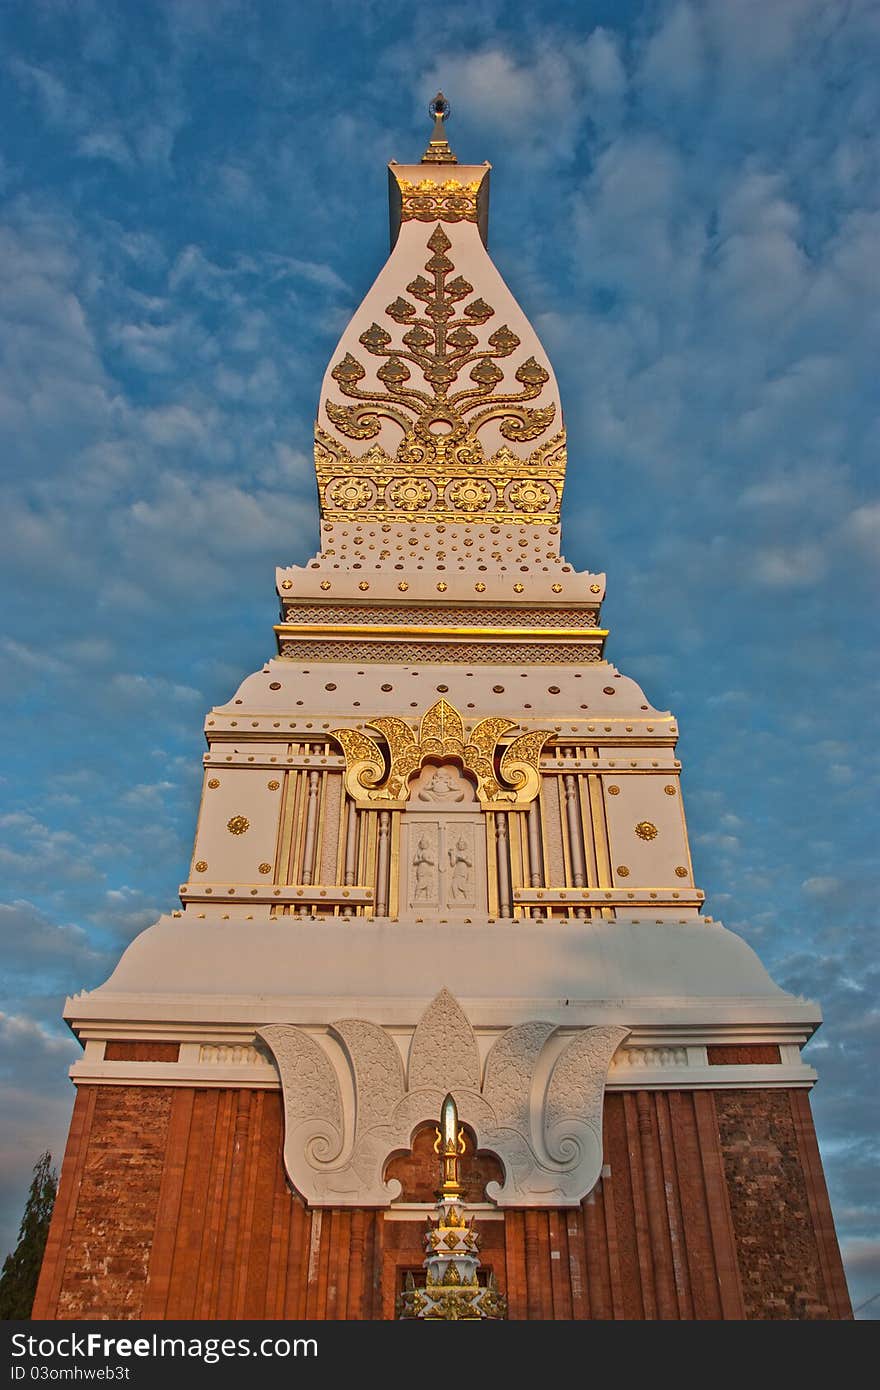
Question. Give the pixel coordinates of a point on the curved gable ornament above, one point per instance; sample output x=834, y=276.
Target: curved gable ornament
x=547, y=1134
x=442, y=735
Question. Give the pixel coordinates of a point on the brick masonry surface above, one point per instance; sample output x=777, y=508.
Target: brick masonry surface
x=778, y=1245
x=174, y=1203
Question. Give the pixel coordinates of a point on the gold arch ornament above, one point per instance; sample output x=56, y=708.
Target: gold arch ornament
x=372, y=775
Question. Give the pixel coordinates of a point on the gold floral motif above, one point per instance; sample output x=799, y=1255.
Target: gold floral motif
x=622, y=871
x=557, y=588
x=411, y=494
x=350, y=493
x=325, y=584
x=265, y=868
x=403, y=586
x=646, y=830
x=440, y=425
x=430, y=201
x=529, y=496
x=681, y=871
x=201, y=866
x=287, y=583
x=518, y=588
x=480, y=588
x=442, y=735
x=468, y=494
x=238, y=825
x=273, y=785
x=333, y=462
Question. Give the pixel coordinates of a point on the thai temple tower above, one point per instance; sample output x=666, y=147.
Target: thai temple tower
x=441, y=852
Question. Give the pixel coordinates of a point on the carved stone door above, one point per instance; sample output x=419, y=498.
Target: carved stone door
x=443, y=848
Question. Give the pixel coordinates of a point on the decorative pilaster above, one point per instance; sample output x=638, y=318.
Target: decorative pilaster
x=502, y=854
x=308, y=865
x=382, y=858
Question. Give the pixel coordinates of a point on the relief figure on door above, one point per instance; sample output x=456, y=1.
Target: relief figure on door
x=461, y=862
x=424, y=866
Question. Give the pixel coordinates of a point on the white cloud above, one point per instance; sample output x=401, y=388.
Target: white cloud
x=674, y=58
x=786, y=567
x=822, y=886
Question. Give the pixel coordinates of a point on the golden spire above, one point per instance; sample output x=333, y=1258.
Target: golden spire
x=449, y=1144
x=438, y=151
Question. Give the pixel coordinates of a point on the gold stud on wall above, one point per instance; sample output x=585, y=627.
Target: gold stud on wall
x=201, y=866
x=681, y=871
x=273, y=785
x=214, y=783
x=646, y=830
x=265, y=869
x=614, y=790
x=670, y=790
x=622, y=871
x=237, y=825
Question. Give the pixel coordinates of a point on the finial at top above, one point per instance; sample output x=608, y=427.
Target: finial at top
x=438, y=151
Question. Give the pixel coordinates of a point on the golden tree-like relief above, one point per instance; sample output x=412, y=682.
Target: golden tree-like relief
x=418, y=373
x=371, y=775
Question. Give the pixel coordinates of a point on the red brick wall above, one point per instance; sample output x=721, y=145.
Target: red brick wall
x=785, y=1271
x=174, y=1204
x=101, y=1238
x=741, y=1055
x=123, y=1051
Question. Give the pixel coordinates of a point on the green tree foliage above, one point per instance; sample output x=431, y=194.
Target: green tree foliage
x=21, y=1269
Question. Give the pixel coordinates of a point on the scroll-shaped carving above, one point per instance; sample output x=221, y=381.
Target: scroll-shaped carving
x=573, y=1110
x=364, y=764
x=521, y=762
x=312, y=1104
x=444, y=1050
x=378, y=1070
x=548, y=1139
x=442, y=734
x=509, y=1070
x=405, y=755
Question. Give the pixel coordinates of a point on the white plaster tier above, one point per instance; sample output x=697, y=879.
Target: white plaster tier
x=694, y=975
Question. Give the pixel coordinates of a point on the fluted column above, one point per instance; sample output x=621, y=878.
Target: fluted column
x=311, y=825
x=575, y=837
x=382, y=857
x=536, y=858
x=351, y=830
x=351, y=848
x=575, y=833
x=502, y=854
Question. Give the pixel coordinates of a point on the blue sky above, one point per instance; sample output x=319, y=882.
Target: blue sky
x=686, y=202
